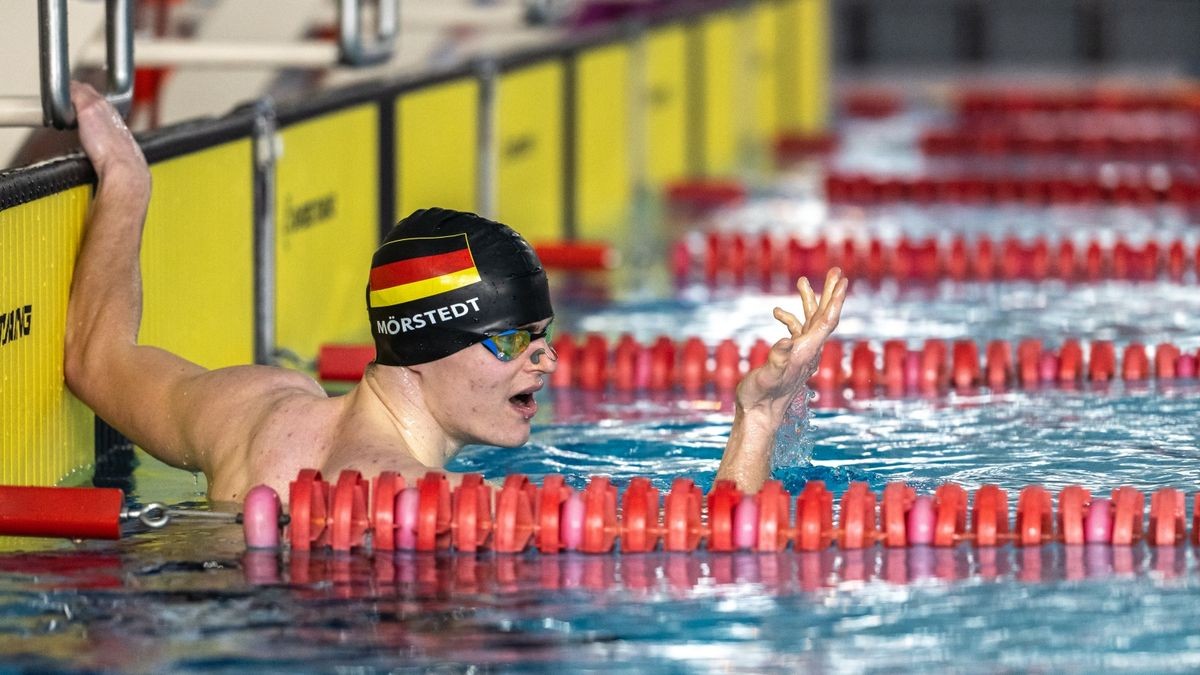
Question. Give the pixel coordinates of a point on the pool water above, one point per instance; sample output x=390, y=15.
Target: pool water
x=189, y=598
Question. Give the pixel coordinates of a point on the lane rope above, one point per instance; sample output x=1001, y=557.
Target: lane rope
x=430, y=515
x=768, y=260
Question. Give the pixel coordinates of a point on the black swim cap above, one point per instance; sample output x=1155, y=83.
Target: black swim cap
x=443, y=279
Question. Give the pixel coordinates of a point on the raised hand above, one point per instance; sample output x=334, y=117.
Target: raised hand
x=764, y=394
x=794, y=359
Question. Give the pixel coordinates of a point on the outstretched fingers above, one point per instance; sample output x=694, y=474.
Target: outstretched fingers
x=793, y=323
x=808, y=299
x=832, y=278
x=831, y=307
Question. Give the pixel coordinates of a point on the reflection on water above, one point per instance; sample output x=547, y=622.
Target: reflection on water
x=165, y=603
x=189, y=598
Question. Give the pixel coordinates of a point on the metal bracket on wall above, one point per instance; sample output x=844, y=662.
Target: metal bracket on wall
x=485, y=141
x=267, y=150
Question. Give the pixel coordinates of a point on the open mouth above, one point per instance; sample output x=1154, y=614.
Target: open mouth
x=524, y=403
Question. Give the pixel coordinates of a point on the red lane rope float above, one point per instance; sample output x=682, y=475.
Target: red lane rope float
x=472, y=507
x=872, y=103
x=723, y=500
x=386, y=486
x=857, y=517
x=639, y=509
x=348, y=512
x=308, y=497
x=931, y=259
x=681, y=516
x=790, y=146
x=553, y=518
x=514, y=515
x=706, y=193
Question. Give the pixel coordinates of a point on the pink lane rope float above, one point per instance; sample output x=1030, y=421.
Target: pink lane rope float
x=429, y=515
x=768, y=260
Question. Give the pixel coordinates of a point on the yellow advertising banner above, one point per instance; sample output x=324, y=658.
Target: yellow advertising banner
x=603, y=162
x=804, y=63
x=326, y=228
x=722, y=132
x=198, y=256
x=46, y=434
x=763, y=64
x=666, y=97
x=437, y=130
x=529, y=146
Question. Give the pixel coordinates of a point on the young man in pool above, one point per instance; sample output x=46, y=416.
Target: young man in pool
x=459, y=307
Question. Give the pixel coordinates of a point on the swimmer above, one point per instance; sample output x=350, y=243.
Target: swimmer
x=460, y=312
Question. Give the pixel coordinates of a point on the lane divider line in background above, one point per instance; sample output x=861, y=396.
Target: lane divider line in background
x=767, y=260
x=1136, y=188
x=936, y=366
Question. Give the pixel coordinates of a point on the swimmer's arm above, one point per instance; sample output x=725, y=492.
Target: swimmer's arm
x=162, y=402
x=765, y=393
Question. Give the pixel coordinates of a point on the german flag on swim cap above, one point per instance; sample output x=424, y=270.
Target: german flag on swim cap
x=442, y=280
x=428, y=266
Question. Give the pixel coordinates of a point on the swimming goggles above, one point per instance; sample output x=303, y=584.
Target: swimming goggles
x=508, y=345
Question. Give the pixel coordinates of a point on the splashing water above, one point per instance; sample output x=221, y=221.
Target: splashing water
x=793, y=443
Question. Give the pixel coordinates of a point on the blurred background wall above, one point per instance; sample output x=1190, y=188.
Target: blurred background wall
x=1053, y=33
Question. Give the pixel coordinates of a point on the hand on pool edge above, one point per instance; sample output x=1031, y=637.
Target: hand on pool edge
x=109, y=144
x=765, y=393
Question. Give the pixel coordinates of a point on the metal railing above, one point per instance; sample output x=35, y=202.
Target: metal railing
x=53, y=107
x=353, y=47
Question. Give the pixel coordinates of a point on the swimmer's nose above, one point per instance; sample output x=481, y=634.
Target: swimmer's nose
x=551, y=362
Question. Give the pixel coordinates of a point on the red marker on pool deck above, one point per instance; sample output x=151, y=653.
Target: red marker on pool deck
x=75, y=513
x=98, y=513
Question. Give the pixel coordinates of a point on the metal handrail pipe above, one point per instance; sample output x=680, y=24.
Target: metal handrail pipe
x=55, y=66
x=353, y=46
